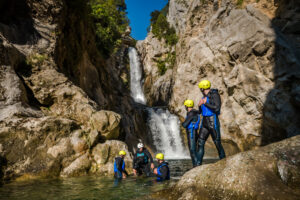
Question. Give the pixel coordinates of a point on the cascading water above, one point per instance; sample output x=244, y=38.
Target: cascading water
x=135, y=77
x=164, y=126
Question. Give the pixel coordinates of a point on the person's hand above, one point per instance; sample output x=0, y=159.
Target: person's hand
x=200, y=102
x=155, y=171
x=124, y=175
x=134, y=172
x=152, y=165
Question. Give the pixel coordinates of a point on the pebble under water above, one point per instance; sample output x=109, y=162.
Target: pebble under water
x=93, y=187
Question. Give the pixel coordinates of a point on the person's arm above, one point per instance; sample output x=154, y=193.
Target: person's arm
x=199, y=110
x=164, y=172
x=134, y=161
x=188, y=120
x=119, y=164
x=125, y=172
x=149, y=155
x=214, y=102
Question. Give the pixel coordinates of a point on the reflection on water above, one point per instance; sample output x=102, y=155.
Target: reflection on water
x=92, y=187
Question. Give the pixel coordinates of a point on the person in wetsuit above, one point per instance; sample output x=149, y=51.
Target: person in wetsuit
x=162, y=172
x=119, y=166
x=141, y=161
x=209, y=107
x=191, y=124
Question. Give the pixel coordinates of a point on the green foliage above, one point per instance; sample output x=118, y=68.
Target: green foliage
x=36, y=59
x=109, y=17
x=240, y=2
x=161, y=27
x=168, y=62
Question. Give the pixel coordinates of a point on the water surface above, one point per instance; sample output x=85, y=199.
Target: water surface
x=93, y=187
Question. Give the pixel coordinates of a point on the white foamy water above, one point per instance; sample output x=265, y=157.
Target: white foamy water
x=165, y=130
x=164, y=126
x=136, y=77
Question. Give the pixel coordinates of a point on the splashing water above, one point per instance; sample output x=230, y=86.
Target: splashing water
x=135, y=77
x=165, y=130
x=164, y=126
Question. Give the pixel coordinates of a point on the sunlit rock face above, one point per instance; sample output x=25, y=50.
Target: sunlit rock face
x=59, y=96
x=270, y=172
x=248, y=52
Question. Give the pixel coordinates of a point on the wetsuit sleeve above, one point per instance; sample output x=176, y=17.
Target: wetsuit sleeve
x=188, y=120
x=199, y=110
x=164, y=173
x=215, y=102
x=134, y=161
x=119, y=164
x=149, y=155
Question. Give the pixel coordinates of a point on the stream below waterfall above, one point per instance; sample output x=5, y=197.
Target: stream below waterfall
x=93, y=187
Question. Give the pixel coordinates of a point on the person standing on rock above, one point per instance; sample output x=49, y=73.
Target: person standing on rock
x=191, y=124
x=209, y=107
x=141, y=161
x=162, y=172
x=119, y=166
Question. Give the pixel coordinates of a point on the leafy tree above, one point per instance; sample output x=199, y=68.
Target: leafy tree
x=109, y=17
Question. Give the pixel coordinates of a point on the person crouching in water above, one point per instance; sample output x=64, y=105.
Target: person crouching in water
x=191, y=124
x=162, y=172
x=141, y=161
x=210, y=106
x=119, y=166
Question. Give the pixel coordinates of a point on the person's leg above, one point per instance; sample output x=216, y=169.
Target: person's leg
x=203, y=135
x=147, y=170
x=192, y=146
x=216, y=135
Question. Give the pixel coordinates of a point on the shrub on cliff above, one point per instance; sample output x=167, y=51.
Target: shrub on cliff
x=109, y=17
x=161, y=27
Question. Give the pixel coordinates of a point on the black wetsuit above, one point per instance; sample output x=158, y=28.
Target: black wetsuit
x=119, y=167
x=210, y=124
x=141, y=162
x=163, y=172
x=192, y=134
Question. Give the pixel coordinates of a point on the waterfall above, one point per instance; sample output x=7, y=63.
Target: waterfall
x=135, y=77
x=164, y=126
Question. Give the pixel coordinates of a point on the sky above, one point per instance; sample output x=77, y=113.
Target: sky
x=139, y=15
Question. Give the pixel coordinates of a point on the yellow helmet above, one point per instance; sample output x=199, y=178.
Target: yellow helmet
x=159, y=156
x=189, y=103
x=205, y=84
x=122, y=153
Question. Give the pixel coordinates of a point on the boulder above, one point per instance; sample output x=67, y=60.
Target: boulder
x=104, y=156
x=270, y=172
x=107, y=123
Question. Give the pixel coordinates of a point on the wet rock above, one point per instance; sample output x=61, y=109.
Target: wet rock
x=105, y=154
x=78, y=167
x=270, y=172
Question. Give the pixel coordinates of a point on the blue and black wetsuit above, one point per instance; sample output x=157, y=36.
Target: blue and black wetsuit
x=141, y=162
x=163, y=172
x=191, y=124
x=119, y=168
x=210, y=124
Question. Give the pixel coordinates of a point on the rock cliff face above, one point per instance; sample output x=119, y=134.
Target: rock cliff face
x=60, y=98
x=249, y=51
